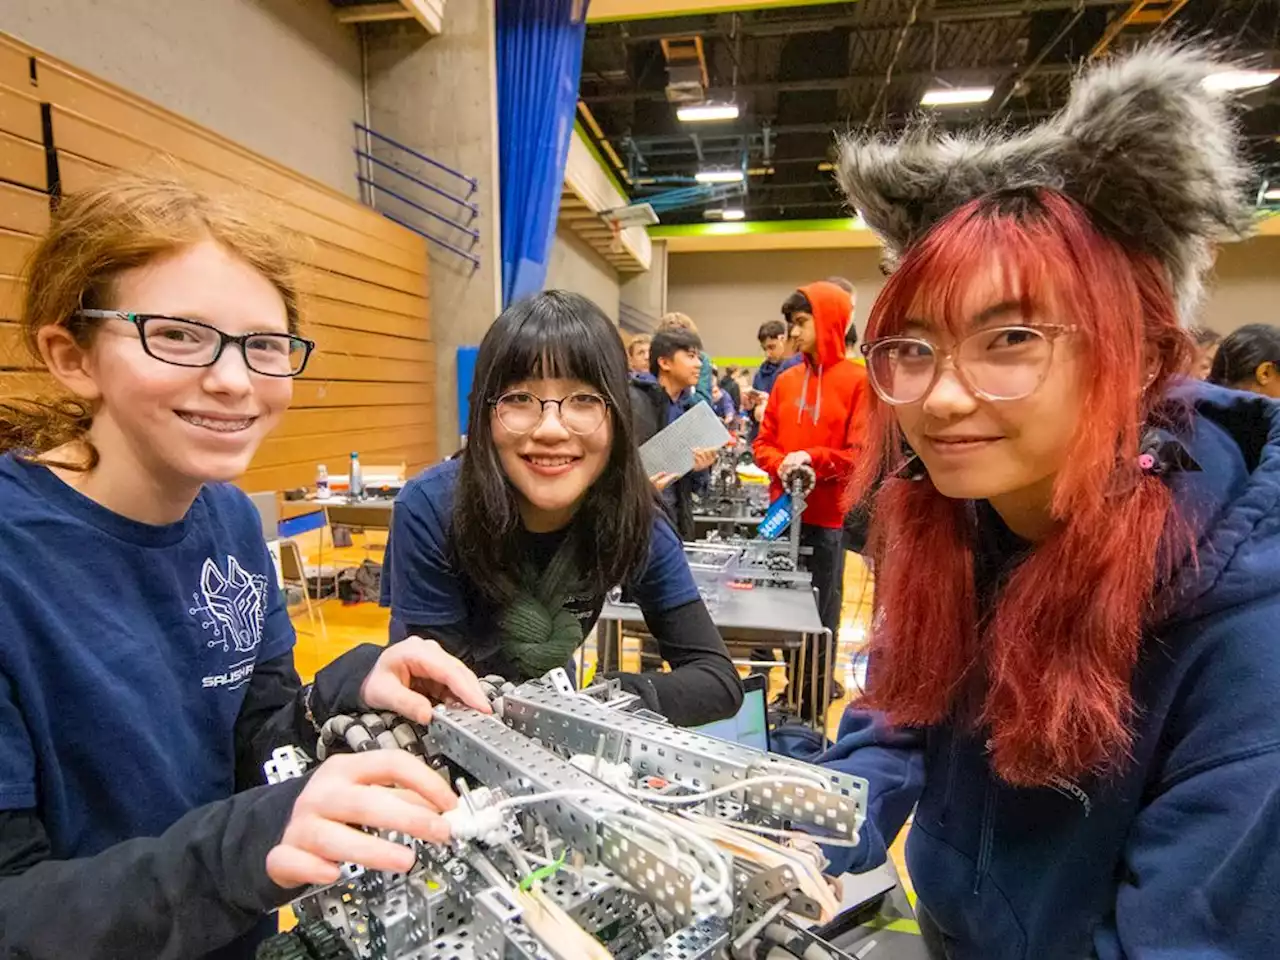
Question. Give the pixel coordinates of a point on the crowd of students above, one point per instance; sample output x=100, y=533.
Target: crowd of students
x=1076, y=551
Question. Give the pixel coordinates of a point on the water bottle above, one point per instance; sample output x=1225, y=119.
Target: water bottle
x=776, y=519
x=356, y=486
x=322, y=482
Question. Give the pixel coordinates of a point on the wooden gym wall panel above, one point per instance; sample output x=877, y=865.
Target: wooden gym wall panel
x=363, y=279
x=15, y=249
x=23, y=210
x=87, y=148
x=20, y=115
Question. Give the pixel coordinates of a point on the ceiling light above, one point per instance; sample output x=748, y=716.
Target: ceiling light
x=718, y=176
x=1240, y=79
x=1272, y=195
x=724, y=213
x=826, y=166
x=956, y=96
x=702, y=112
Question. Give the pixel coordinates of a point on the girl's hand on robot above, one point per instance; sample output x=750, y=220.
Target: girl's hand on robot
x=413, y=674
x=381, y=789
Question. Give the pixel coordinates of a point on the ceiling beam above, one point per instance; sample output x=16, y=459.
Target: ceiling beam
x=607, y=11
x=958, y=76
x=827, y=127
x=863, y=21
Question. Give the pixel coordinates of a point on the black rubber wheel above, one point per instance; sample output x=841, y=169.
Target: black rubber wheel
x=283, y=946
x=323, y=942
x=312, y=940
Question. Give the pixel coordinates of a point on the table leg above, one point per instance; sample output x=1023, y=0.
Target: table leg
x=813, y=681
x=801, y=672
x=827, y=683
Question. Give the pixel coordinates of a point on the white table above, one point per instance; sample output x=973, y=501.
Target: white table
x=343, y=511
x=759, y=617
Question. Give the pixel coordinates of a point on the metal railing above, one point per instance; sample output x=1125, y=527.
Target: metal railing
x=393, y=180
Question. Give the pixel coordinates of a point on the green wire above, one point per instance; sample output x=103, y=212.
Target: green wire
x=542, y=873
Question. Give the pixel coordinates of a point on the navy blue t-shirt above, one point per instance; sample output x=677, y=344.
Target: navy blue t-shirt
x=125, y=651
x=423, y=588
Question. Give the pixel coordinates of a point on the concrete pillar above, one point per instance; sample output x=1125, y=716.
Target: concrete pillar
x=438, y=95
x=646, y=293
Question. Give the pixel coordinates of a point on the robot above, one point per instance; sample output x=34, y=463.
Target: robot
x=587, y=828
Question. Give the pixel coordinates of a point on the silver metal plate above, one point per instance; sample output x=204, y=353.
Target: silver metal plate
x=645, y=869
x=498, y=756
x=698, y=941
x=832, y=813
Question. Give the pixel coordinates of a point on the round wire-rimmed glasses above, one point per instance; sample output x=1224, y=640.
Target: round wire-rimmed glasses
x=995, y=363
x=520, y=411
x=191, y=343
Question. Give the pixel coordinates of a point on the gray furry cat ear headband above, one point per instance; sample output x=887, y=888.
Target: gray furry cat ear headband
x=1142, y=144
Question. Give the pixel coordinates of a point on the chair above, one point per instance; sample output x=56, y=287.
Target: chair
x=293, y=570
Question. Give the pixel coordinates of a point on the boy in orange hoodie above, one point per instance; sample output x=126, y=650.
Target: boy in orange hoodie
x=817, y=415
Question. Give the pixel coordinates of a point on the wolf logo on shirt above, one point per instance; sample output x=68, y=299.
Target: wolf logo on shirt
x=234, y=602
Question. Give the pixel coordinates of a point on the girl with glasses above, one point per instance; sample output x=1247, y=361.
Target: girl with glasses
x=1074, y=660
x=505, y=555
x=146, y=665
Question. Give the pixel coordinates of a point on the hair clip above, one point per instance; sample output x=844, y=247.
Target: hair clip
x=1160, y=452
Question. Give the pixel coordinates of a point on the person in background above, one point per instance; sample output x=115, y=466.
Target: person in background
x=675, y=360
x=816, y=417
x=775, y=346
x=706, y=375
x=146, y=655
x=1206, y=341
x=851, y=351
x=638, y=356
x=1249, y=359
x=729, y=384
x=723, y=404
x=778, y=356
x=506, y=555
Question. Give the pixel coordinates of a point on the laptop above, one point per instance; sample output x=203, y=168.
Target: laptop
x=749, y=726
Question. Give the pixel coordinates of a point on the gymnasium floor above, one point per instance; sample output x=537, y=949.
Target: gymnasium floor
x=334, y=628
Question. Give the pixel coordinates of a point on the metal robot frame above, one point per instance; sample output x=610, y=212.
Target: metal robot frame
x=587, y=828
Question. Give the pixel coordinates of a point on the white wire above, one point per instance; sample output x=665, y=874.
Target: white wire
x=720, y=887
x=709, y=891
x=793, y=834
x=614, y=804
x=692, y=798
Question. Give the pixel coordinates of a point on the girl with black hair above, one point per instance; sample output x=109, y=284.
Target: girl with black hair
x=1249, y=359
x=505, y=556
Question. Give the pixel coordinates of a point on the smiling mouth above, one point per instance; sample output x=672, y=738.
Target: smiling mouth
x=960, y=443
x=218, y=424
x=548, y=462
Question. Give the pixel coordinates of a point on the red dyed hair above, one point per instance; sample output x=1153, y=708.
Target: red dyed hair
x=1047, y=670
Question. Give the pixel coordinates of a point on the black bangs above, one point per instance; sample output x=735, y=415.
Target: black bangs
x=553, y=335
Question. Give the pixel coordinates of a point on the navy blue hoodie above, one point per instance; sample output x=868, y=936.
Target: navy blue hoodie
x=1177, y=856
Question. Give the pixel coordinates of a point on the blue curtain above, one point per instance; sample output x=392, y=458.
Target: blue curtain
x=539, y=64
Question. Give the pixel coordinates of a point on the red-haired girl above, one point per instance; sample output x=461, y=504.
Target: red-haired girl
x=1076, y=651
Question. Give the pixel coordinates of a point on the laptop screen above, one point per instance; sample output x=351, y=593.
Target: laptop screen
x=749, y=726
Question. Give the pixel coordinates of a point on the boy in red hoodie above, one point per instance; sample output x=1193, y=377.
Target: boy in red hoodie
x=817, y=415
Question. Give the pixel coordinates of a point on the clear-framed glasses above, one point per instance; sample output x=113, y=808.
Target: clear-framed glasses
x=995, y=363
x=190, y=343
x=520, y=411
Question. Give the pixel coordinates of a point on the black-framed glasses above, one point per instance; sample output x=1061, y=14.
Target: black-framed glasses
x=995, y=363
x=190, y=343
x=520, y=411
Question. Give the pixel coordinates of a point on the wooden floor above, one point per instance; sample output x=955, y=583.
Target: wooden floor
x=332, y=628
